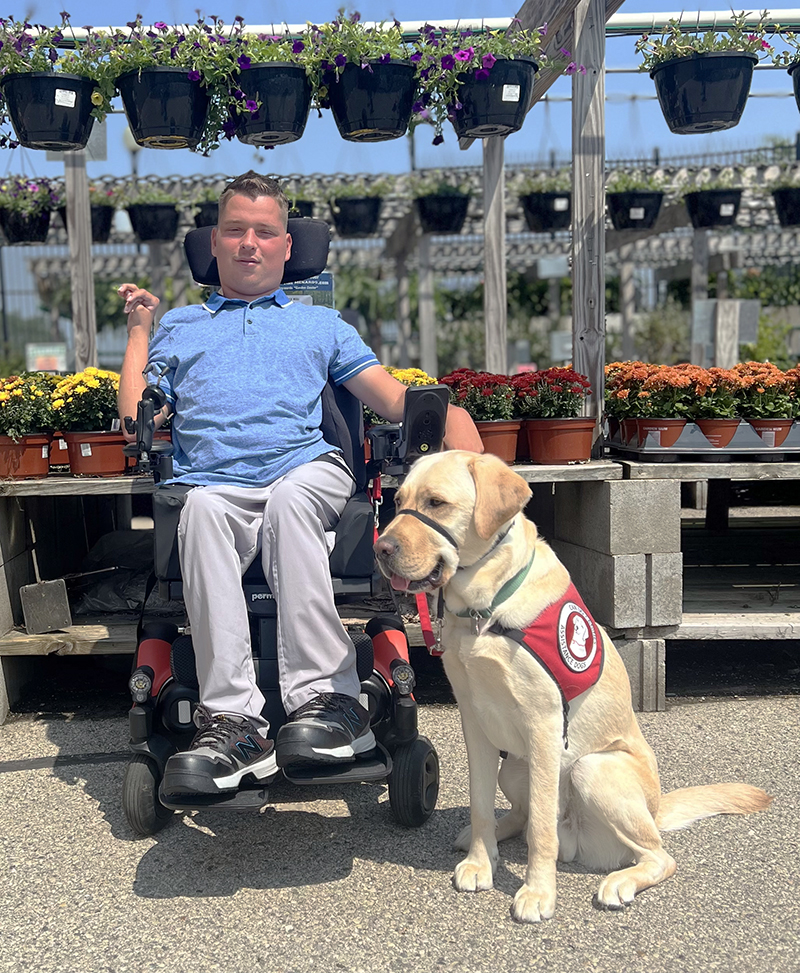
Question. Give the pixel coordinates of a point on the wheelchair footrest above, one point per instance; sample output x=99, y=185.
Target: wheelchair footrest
x=245, y=799
x=375, y=765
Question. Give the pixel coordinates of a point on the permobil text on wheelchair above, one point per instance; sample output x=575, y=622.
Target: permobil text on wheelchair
x=163, y=683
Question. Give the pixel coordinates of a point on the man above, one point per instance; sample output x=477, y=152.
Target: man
x=244, y=374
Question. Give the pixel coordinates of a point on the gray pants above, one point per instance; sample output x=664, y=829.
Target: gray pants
x=221, y=531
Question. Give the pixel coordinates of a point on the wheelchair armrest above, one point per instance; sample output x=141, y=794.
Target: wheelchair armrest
x=395, y=447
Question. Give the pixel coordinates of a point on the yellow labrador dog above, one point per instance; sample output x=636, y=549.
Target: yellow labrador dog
x=581, y=779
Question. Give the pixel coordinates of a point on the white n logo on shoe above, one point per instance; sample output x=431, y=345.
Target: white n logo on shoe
x=248, y=747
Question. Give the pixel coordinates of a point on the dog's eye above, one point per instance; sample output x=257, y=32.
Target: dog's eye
x=436, y=502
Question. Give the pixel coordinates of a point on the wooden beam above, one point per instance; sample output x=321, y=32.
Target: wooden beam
x=79, y=229
x=495, y=298
x=699, y=285
x=429, y=360
x=627, y=300
x=403, y=314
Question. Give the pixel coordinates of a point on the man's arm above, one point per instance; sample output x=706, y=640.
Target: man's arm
x=382, y=393
x=140, y=306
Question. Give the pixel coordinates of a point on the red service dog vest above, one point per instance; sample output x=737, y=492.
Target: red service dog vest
x=565, y=640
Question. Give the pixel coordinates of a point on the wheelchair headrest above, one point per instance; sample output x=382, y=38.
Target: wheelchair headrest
x=310, y=244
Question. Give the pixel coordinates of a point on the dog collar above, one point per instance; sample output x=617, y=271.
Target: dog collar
x=429, y=523
x=508, y=589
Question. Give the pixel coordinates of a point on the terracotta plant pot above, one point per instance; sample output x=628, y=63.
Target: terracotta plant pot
x=719, y=432
x=26, y=459
x=96, y=453
x=553, y=441
x=772, y=431
x=499, y=437
x=628, y=431
x=662, y=432
x=59, y=454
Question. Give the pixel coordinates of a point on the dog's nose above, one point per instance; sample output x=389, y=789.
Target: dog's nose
x=385, y=547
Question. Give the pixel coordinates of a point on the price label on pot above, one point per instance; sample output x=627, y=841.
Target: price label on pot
x=62, y=444
x=66, y=98
x=511, y=92
x=636, y=213
x=727, y=209
x=86, y=449
x=561, y=204
x=46, y=450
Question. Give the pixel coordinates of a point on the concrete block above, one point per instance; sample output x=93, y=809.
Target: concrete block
x=645, y=660
x=664, y=588
x=15, y=673
x=614, y=587
x=620, y=516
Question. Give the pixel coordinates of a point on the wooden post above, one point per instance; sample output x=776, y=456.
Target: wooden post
x=79, y=228
x=699, y=286
x=726, y=333
x=627, y=299
x=588, y=199
x=495, y=300
x=403, y=314
x=429, y=361
x=155, y=250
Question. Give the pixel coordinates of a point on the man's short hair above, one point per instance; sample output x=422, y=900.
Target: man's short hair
x=252, y=184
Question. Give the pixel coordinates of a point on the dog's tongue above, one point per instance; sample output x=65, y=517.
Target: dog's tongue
x=398, y=583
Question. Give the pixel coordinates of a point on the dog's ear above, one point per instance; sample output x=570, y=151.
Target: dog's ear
x=501, y=493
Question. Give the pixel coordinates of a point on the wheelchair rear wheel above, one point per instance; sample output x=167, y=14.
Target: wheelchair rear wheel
x=414, y=782
x=145, y=814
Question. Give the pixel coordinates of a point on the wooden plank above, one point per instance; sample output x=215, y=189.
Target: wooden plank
x=495, y=299
x=737, y=625
x=426, y=316
x=113, y=638
x=64, y=486
x=627, y=300
x=594, y=470
x=688, y=471
x=79, y=226
x=726, y=333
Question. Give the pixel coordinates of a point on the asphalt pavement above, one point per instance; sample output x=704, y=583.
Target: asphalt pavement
x=325, y=881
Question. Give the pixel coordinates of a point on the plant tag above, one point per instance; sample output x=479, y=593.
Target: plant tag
x=636, y=213
x=66, y=98
x=561, y=204
x=768, y=435
x=62, y=444
x=115, y=425
x=46, y=451
x=511, y=92
x=86, y=449
x=727, y=209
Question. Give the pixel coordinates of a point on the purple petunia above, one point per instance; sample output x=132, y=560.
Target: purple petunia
x=297, y=47
x=487, y=61
x=340, y=60
x=482, y=73
x=193, y=75
x=251, y=106
x=438, y=139
x=160, y=25
x=385, y=58
x=448, y=62
x=416, y=56
x=466, y=54
x=243, y=61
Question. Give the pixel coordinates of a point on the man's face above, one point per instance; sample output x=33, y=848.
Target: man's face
x=251, y=246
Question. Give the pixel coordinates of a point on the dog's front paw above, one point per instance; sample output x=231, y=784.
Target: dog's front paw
x=616, y=891
x=472, y=876
x=533, y=905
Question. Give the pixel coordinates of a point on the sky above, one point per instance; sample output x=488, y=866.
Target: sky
x=633, y=128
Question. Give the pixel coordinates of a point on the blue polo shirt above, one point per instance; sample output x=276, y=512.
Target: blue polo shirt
x=245, y=383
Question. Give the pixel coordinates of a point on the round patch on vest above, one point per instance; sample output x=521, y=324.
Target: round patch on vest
x=577, y=643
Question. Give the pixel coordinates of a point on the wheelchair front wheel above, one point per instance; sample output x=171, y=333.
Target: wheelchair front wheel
x=145, y=814
x=414, y=782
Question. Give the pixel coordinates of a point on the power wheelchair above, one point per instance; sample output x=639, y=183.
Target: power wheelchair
x=163, y=683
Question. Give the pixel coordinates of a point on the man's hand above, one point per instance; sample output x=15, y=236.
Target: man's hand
x=460, y=431
x=140, y=305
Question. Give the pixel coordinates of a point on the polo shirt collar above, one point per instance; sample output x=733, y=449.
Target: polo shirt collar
x=217, y=301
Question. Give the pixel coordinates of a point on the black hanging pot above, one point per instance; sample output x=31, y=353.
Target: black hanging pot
x=207, y=214
x=442, y=214
x=154, y=221
x=634, y=210
x=164, y=108
x=24, y=228
x=301, y=208
x=496, y=105
x=50, y=111
x=547, y=211
x=713, y=207
x=356, y=215
x=284, y=91
x=794, y=74
x=102, y=218
x=787, y=205
x=704, y=92
x=372, y=104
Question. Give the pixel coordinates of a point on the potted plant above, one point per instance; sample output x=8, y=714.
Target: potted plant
x=85, y=411
x=153, y=213
x=634, y=199
x=104, y=200
x=766, y=398
x=790, y=58
x=441, y=200
x=26, y=420
x=550, y=403
x=649, y=400
x=490, y=400
x=715, y=405
x=713, y=200
x=26, y=205
x=52, y=97
x=546, y=198
x=785, y=191
x=480, y=80
x=205, y=205
x=408, y=376
x=364, y=75
x=703, y=78
x=356, y=205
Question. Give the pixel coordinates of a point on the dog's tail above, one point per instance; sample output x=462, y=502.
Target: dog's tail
x=683, y=807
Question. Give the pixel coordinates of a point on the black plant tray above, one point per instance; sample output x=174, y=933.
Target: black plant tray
x=692, y=445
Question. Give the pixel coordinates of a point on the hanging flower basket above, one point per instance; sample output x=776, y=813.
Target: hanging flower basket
x=154, y=221
x=27, y=458
x=50, y=110
x=787, y=205
x=372, y=104
x=442, y=214
x=164, y=107
x=713, y=207
x=102, y=218
x=23, y=227
x=547, y=211
x=356, y=216
x=283, y=92
x=704, y=92
x=302, y=208
x=497, y=104
x=206, y=215
x=635, y=210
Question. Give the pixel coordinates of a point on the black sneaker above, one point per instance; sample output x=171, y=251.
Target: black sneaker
x=225, y=749
x=333, y=728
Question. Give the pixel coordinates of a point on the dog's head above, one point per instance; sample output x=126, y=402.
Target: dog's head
x=450, y=505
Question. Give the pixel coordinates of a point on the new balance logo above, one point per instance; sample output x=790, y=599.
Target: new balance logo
x=352, y=719
x=248, y=748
